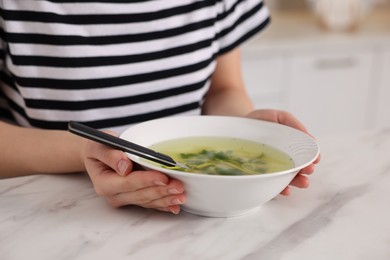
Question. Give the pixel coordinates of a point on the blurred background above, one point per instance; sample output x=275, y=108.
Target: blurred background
x=326, y=61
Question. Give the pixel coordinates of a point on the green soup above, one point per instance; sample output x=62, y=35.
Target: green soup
x=224, y=156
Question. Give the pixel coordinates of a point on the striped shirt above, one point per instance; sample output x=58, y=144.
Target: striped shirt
x=114, y=63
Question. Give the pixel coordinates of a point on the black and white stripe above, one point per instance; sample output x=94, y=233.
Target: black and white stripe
x=114, y=63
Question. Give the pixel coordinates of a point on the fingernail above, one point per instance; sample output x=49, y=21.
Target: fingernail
x=177, y=201
x=175, y=211
x=173, y=191
x=159, y=183
x=122, y=167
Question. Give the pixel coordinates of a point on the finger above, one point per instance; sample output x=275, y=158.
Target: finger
x=164, y=209
x=300, y=181
x=173, y=209
x=318, y=159
x=168, y=201
x=289, y=119
x=152, y=197
x=174, y=196
x=278, y=116
x=175, y=187
x=114, y=159
x=308, y=169
x=112, y=184
x=285, y=191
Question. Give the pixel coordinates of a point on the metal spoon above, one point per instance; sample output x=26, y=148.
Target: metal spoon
x=121, y=144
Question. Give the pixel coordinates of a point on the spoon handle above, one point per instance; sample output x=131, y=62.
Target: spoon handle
x=119, y=143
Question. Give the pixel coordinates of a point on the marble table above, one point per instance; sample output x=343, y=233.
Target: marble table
x=345, y=214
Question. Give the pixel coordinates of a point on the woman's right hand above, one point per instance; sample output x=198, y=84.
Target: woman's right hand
x=114, y=177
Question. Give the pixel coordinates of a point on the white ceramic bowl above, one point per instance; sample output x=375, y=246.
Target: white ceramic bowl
x=226, y=196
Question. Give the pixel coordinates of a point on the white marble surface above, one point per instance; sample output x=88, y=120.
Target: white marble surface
x=345, y=214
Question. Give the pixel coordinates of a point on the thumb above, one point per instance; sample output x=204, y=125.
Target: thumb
x=106, y=158
x=121, y=163
x=124, y=166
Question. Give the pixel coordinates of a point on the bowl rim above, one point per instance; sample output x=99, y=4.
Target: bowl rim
x=150, y=165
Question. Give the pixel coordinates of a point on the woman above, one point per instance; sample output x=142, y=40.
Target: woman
x=111, y=64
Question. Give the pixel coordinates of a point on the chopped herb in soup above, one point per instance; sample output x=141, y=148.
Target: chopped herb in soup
x=224, y=156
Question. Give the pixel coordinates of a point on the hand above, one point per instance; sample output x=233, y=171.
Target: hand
x=282, y=117
x=114, y=177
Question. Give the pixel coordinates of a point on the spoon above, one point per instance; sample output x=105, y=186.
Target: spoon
x=121, y=144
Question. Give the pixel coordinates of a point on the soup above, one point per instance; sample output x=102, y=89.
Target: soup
x=224, y=156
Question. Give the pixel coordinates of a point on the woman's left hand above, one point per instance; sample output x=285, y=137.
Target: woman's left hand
x=301, y=180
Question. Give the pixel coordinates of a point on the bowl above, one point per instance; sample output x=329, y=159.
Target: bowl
x=226, y=196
